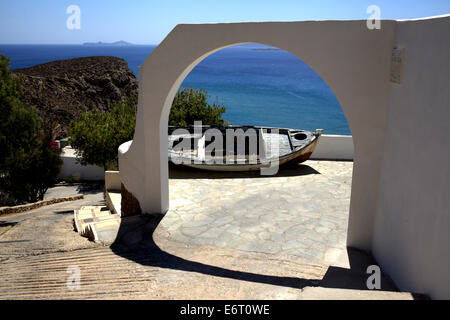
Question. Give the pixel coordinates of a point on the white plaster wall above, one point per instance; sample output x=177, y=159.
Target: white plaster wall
x=334, y=147
x=411, y=238
x=112, y=181
x=70, y=167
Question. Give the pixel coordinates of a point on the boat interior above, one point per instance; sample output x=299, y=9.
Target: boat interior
x=242, y=143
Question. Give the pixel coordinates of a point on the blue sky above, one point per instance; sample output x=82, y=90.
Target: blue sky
x=148, y=22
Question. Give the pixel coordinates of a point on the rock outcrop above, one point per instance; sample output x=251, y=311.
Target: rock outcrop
x=62, y=89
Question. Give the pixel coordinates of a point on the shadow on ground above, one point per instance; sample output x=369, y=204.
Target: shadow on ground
x=89, y=187
x=135, y=242
x=68, y=212
x=178, y=172
x=7, y=224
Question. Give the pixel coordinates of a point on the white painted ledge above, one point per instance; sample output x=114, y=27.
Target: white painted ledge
x=112, y=181
x=330, y=147
x=334, y=147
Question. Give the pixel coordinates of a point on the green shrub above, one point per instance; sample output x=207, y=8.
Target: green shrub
x=28, y=164
x=191, y=105
x=70, y=179
x=96, y=136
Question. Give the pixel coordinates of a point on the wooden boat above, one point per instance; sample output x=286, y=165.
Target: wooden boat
x=239, y=148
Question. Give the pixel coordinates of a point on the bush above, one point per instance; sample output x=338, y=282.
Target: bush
x=97, y=136
x=191, y=105
x=28, y=164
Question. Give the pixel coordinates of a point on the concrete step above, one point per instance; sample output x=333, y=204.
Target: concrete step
x=113, y=200
x=320, y=293
x=96, y=223
x=106, y=230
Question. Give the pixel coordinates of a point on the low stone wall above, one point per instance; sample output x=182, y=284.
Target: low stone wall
x=334, y=147
x=329, y=147
x=35, y=205
x=129, y=204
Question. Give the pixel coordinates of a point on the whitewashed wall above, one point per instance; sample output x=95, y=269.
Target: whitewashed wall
x=411, y=238
x=334, y=147
x=70, y=167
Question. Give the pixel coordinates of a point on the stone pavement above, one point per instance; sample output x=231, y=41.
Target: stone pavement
x=301, y=212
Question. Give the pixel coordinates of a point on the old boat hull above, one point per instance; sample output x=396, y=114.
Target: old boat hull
x=294, y=146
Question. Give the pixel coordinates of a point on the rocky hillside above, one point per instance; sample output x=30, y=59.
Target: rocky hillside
x=62, y=89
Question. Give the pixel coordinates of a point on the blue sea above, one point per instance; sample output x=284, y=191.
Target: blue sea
x=258, y=86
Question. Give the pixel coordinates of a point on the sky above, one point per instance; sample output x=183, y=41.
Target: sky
x=149, y=21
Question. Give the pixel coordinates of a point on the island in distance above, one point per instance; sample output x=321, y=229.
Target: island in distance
x=117, y=43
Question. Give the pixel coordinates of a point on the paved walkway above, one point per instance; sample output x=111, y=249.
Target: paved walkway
x=301, y=212
x=46, y=229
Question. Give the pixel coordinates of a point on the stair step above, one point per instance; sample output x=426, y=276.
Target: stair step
x=105, y=231
x=96, y=223
x=321, y=293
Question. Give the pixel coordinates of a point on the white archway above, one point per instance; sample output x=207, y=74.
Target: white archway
x=351, y=59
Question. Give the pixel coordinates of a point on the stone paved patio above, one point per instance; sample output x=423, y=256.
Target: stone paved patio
x=301, y=212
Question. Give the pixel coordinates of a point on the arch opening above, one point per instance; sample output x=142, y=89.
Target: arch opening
x=355, y=70
x=200, y=234
x=312, y=84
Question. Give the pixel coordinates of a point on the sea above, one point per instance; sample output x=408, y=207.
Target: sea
x=258, y=85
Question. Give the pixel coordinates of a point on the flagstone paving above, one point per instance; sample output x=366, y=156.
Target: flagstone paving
x=301, y=212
